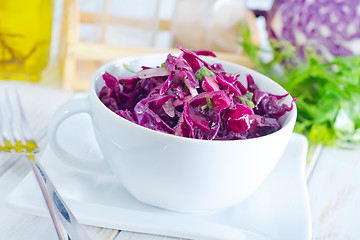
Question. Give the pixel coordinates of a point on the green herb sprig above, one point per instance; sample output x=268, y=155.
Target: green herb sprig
x=328, y=92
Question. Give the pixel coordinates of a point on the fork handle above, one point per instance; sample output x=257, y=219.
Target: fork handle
x=66, y=225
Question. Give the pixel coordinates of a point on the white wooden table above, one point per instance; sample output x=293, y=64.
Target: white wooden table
x=334, y=184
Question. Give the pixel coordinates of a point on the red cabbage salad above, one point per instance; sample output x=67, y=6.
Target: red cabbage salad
x=189, y=97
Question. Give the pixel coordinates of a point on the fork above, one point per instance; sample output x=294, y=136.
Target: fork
x=16, y=138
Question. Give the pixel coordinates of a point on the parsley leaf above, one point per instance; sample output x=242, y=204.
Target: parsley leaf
x=328, y=92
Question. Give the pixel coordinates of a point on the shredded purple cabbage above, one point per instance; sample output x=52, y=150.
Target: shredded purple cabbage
x=331, y=27
x=190, y=98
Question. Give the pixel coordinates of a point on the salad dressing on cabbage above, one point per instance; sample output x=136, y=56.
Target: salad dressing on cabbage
x=189, y=97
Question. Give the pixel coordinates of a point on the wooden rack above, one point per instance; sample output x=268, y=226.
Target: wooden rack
x=79, y=60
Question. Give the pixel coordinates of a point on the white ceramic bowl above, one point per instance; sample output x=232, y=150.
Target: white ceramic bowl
x=171, y=172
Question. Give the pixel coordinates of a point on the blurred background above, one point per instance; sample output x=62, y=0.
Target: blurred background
x=182, y=17
x=85, y=34
x=310, y=47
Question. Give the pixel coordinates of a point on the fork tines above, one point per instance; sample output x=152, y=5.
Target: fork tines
x=15, y=135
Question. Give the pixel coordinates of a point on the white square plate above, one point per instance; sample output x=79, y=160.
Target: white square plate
x=279, y=209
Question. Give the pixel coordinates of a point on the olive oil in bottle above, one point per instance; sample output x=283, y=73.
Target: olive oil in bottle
x=25, y=34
